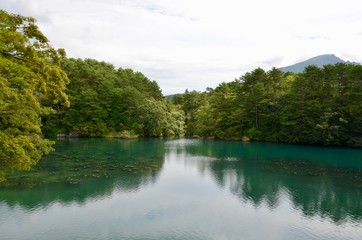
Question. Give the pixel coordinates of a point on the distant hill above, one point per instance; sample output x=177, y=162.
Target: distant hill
x=319, y=61
x=170, y=97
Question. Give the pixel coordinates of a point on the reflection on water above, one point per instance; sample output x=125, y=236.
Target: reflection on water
x=320, y=181
x=186, y=189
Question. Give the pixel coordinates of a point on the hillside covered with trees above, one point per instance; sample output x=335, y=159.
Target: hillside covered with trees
x=109, y=102
x=319, y=106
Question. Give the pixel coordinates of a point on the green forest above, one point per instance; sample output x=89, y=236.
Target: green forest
x=44, y=94
x=109, y=102
x=318, y=106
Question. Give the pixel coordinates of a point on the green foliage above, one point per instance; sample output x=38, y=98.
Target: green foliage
x=190, y=102
x=31, y=85
x=318, y=106
x=113, y=103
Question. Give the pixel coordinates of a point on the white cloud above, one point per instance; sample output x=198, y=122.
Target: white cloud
x=197, y=43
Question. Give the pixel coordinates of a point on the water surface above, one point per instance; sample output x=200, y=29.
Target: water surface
x=185, y=189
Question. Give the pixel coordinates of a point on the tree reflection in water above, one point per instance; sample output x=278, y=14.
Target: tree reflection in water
x=319, y=181
x=325, y=182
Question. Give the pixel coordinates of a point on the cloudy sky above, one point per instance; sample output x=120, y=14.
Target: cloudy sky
x=196, y=44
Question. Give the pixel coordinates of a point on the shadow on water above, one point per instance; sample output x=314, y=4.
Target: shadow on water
x=85, y=169
x=320, y=181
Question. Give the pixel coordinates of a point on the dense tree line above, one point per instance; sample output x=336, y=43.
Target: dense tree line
x=318, y=106
x=109, y=102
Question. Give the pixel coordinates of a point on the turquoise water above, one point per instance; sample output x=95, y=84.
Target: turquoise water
x=185, y=189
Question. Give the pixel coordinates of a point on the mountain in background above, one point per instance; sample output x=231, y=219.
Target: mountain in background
x=319, y=61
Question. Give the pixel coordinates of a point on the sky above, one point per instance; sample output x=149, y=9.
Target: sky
x=195, y=44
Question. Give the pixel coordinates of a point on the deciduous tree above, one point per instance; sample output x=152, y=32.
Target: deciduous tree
x=31, y=85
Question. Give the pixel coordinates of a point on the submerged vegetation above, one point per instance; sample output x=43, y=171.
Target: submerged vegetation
x=80, y=161
x=43, y=93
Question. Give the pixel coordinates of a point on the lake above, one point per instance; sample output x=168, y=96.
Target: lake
x=185, y=189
